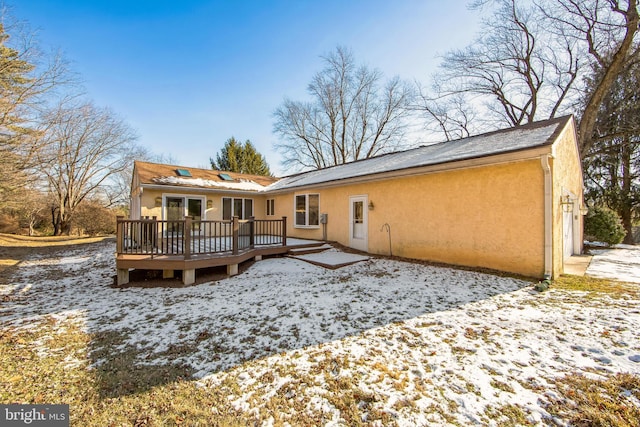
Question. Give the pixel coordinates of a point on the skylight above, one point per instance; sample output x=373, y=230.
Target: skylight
x=183, y=172
x=225, y=177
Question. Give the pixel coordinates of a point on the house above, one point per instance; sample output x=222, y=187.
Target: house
x=509, y=200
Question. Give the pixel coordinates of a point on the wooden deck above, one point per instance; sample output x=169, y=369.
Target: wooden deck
x=151, y=244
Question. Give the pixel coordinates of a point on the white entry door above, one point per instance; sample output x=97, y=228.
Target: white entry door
x=567, y=225
x=358, y=223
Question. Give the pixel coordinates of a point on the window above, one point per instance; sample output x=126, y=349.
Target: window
x=225, y=177
x=307, y=209
x=242, y=208
x=271, y=207
x=183, y=172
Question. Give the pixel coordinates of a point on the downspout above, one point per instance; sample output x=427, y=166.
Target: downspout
x=548, y=218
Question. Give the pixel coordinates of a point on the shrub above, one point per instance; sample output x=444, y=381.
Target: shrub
x=91, y=218
x=604, y=225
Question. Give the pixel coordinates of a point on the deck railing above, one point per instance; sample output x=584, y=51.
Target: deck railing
x=188, y=237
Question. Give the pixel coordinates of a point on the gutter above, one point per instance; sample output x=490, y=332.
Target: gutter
x=548, y=219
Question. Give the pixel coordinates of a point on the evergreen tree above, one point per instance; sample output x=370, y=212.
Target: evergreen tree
x=15, y=84
x=612, y=164
x=240, y=157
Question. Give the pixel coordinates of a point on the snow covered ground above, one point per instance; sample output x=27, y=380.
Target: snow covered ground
x=621, y=263
x=423, y=344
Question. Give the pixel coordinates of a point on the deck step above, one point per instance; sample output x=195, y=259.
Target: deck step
x=310, y=249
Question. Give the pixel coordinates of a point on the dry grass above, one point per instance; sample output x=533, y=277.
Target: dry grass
x=15, y=240
x=596, y=287
x=14, y=247
x=50, y=364
x=611, y=401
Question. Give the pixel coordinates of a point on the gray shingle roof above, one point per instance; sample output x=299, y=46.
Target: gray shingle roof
x=518, y=138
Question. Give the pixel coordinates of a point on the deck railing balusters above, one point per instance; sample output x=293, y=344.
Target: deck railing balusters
x=153, y=237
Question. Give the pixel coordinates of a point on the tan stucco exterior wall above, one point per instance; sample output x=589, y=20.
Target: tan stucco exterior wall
x=488, y=216
x=567, y=178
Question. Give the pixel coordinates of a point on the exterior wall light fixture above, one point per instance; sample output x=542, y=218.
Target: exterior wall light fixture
x=567, y=203
x=371, y=206
x=158, y=201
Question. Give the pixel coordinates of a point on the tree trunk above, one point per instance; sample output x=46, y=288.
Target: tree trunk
x=55, y=220
x=626, y=205
x=611, y=72
x=65, y=227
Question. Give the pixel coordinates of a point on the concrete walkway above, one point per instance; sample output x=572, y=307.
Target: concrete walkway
x=621, y=262
x=577, y=265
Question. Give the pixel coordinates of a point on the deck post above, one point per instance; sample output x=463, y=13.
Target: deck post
x=186, y=238
x=232, y=269
x=234, y=238
x=119, y=234
x=189, y=276
x=284, y=231
x=252, y=232
x=123, y=276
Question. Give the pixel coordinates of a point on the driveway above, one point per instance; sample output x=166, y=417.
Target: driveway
x=621, y=262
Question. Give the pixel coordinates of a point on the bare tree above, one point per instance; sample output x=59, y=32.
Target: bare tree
x=531, y=60
x=352, y=115
x=451, y=116
x=32, y=209
x=515, y=71
x=606, y=31
x=82, y=147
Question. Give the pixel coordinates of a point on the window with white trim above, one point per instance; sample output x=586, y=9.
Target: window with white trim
x=271, y=207
x=242, y=208
x=307, y=210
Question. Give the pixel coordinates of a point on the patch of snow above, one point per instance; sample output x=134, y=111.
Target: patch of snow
x=397, y=330
x=622, y=262
x=242, y=184
x=332, y=257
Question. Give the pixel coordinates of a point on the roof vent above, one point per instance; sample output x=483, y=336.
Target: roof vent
x=225, y=177
x=183, y=172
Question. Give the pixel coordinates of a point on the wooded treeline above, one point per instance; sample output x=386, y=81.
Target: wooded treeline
x=61, y=156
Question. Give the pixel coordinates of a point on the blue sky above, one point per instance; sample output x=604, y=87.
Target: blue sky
x=187, y=75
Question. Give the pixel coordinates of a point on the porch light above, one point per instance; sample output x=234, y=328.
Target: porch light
x=209, y=204
x=371, y=206
x=567, y=203
x=158, y=201
x=584, y=210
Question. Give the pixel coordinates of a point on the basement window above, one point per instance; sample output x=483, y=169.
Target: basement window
x=183, y=172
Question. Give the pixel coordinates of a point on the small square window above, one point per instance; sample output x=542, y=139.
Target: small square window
x=225, y=177
x=183, y=172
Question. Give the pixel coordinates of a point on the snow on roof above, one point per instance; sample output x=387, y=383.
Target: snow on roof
x=242, y=184
x=514, y=139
